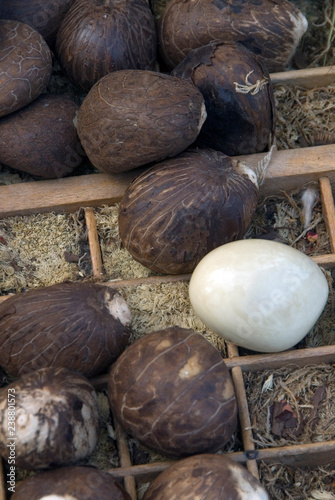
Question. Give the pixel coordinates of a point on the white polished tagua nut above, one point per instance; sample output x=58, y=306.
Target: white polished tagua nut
x=259, y=294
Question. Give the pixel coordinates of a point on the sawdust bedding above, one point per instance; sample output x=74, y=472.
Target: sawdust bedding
x=41, y=250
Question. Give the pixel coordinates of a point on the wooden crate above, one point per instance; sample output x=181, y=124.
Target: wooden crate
x=288, y=170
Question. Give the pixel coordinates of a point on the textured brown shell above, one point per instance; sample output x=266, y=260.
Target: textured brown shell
x=176, y=212
x=238, y=97
x=56, y=418
x=208, y=477
x=25, y=65
x=172, y=390
x=41, y=138
x=68, y=325
x=83, y=482
x=270, y=28
x=97, y=37
x=42, y=15
x=133, y=117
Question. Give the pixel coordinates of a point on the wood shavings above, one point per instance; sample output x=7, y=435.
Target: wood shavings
x=35, y=251
x=297, y=483
x=159, y=306
x=297, y=387
x=118, y=263
x=304, y=116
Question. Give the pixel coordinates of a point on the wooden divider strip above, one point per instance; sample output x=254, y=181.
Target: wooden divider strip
x=288, y=170
x=94, y=244
x=124, y=455
x=328, y=209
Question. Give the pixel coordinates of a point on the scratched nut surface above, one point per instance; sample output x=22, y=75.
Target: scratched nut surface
x=133, y=117
x=25, y=65
x=81, y=326
x=270, y=28
x=41, y=138
x=56, y=419
x=97, y=37
x=172, y=391
x=206, y=477
x=71, y=483
x=174, y=213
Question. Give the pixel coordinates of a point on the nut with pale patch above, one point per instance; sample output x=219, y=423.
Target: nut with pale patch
x=172, y=391
x=51, y=416
x=206, y=477
x=80, y=326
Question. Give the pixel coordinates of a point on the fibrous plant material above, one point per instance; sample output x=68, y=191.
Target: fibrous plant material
x=297, y=386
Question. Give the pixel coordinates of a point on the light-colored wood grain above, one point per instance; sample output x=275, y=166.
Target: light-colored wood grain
x=94, y=244
x=294, y=357
x=288, y=170
x=307, y=78
x=244, y=418
x=328, y=209
x=311, y=454
x=129, y=481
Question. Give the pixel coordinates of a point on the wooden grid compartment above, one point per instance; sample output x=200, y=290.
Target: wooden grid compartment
x=288, y=170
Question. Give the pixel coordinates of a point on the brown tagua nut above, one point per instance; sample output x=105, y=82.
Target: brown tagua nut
x=172, y=391
x=25, y=65
x=71, y=483
x=42, y=15
x=97, y=37
x=134, y=117
x=54, y=416
x=270, y=28
x=238, y=97
x=41, y=138
x=177, y=211
x=206, y=477
x=80, y=326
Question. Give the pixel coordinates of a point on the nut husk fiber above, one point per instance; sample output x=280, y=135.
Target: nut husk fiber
x=176, y=212
x=80, y=326
x=238, y=97
x=133, y=117
x=172, y=391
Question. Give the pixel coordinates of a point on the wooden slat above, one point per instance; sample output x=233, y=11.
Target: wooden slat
x=328, y=209
x=288, y=170
x=296, y=357
x=301, y=455
x=129, y=481
x=306, y=78
x=94, y=244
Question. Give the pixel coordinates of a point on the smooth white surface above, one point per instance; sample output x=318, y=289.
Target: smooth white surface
x=259, y=294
